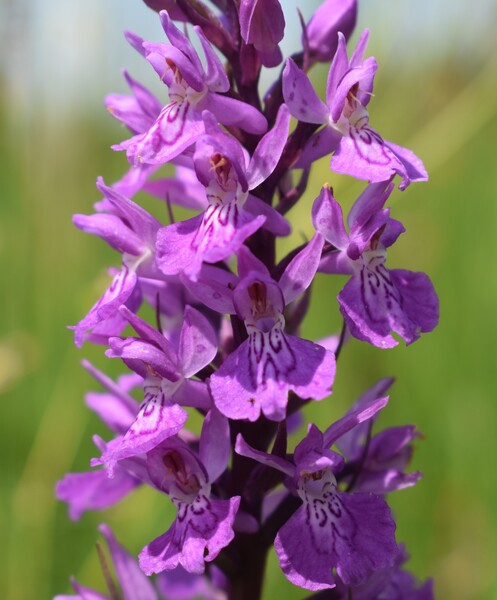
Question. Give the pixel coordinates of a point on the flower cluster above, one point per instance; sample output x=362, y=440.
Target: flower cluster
x=226, y=338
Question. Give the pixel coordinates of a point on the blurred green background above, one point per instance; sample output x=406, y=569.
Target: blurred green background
x=433, y=95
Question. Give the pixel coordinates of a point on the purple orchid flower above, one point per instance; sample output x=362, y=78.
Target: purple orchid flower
x=352, y=533
x=204, y=525
x=138, y=112
x=384, y=456
x=191, y=90
x=258, y=375
x=391, y=583
x=262, y=24
x=179, y=584
x=132, y=231
x=133, y=583
x=358, y=150
x=232, y=213
x=167, y=384
x=321, y=34
x=94, y=490
x=376, y=300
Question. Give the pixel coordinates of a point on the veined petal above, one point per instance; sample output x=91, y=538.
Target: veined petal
x=258, y=375
x=364, y=155
x=201, y=530
x=117, y=293
x=157, y=420
x=353, y=533
x=178, y=126
x=413, y=165
x=300, y=96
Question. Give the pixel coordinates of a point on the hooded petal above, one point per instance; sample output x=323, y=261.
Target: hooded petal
x=327, y=218
x=322, y=30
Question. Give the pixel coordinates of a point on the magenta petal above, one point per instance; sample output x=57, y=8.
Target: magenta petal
x=214, y=288
x=177, y=127
x=322, y=143
x=304, y=559
x=269, y=149
x=211, y=237
x=193, y=393
x=364, y=155
x=198, y=343
x=413, y=165
x=269, y=460
x=300, y=272
x=200, y=532
x=215, y=444
x=174, y=247
x=230, y=111
x=420, y=301
x=300, y=96
x=365, y=312
x=275, y=223
x=216, y=78
x=93, y=490
x=353, y=533
x=84, y=593
x=330, y=17
x=134, y=584
x=377, y=301
x=366, y=537
x=327, y=218
x=157, y=420
x=258, y=375
x=117, y=293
